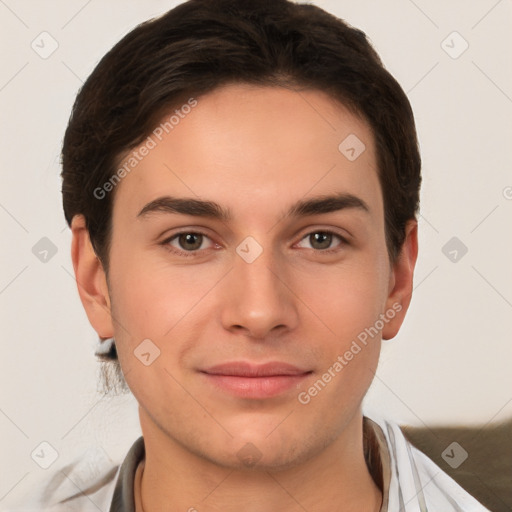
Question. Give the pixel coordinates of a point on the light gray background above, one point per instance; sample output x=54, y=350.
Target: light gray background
x=451, y=361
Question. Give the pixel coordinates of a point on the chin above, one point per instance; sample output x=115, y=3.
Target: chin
x=263, y=450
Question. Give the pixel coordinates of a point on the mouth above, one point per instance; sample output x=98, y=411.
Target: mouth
x=248, y=380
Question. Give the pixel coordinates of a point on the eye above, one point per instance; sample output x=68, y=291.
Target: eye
x=189, y=241
x=322, y=241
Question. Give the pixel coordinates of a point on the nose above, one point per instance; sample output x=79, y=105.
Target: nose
x=257, y=301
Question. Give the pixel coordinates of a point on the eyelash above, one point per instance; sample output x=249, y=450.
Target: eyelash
x=186, y=254
x=194, y=253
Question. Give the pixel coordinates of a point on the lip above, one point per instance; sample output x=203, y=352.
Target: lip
x=256, y=381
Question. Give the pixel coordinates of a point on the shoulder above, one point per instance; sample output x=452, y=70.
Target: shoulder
x=86, y=484
x=415, y=481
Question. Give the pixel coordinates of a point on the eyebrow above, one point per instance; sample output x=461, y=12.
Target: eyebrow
x=210, y=209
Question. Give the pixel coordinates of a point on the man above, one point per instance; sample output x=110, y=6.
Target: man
x=241, y=179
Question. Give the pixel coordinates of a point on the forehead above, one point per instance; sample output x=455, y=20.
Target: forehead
x=252, y=149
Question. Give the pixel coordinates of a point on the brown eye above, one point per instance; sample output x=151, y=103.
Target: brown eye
x=323, y=241
x=320, y=240
x=190, y=241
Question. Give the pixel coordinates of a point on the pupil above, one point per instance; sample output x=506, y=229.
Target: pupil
x=190, y=241
x=322, y=240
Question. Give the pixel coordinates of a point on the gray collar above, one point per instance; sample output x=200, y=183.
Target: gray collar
x=123, y=499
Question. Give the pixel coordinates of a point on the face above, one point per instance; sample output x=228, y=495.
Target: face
x=249, y=327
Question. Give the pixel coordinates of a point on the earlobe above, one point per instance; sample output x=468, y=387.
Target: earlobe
x=401, y=281
x=91, y=279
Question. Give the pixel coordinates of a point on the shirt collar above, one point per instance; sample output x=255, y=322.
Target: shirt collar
x=123, y=499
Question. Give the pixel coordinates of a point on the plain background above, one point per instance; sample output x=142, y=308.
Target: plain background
x=451, y=362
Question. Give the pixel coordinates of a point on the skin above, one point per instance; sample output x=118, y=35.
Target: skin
x=255, y=151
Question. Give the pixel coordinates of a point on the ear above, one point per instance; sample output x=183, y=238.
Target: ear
x=91, y=279
x=401, y=281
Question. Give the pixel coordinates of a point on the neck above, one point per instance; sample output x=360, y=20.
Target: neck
x=337, y=478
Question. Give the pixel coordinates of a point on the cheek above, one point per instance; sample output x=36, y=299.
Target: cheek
x=345, y=299
x=150, y=296
x=346, y=306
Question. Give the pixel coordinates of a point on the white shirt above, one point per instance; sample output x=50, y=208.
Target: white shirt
x=412, y=482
